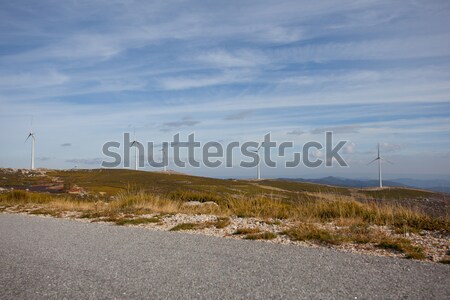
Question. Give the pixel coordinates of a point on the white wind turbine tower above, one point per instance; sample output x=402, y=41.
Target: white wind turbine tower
x=258, y=171
x=163, y=155
x=33, y=140
x=379, y=159
x=135, y=150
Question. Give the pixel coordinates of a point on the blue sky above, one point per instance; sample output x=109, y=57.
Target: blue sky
x=87, y=71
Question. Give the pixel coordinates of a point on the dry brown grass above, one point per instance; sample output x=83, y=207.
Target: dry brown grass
x=353, y=219
x=356, y=233
x=261, y=236
x=185, y=226
x=402, y=245
x=222, y=222
x=339, y=210
x=240, y=231
x=310, y=232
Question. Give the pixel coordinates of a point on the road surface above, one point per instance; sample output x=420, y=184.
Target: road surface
x=55, y=258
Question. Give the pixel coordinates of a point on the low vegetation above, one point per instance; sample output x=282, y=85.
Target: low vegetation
x=222, y=222
x=185, y=226
x=138, y=203
x=247, y=231
x=354, y=234
x=261, y=236
x=310, y=232
x=402, y=245
x=219, y=223
x=137, y=221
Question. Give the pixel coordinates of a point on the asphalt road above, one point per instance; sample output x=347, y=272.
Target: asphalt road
x=54, y=258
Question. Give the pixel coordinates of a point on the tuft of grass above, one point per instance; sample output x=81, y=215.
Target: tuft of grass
x=18, y=195
x=272, y=222
x=358, y=233
x=222, y=222
x=406, y=229
x=184, y=226
x=261, y=236
x=391, y=245
x=194, y=196
x=260, y=207
x=111, y=219
x=246, y=231
x=91, y=215
x=47, y=212
x=137, y=221
x=310, y=232
x=23, y=197
x=402, y=245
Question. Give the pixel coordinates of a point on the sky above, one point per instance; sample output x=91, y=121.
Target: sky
x=82, y=73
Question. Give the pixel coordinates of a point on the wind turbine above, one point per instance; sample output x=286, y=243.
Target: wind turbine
x=134, y=143
x=379, y=159
x=33, y=140
x=258, y=171
x=163, y=156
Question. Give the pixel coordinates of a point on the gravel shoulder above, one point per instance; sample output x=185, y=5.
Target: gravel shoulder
x=59, y=258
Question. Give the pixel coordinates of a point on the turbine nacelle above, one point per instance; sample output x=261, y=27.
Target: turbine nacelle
x=31, y=134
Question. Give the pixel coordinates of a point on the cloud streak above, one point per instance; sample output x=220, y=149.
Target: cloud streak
x=238, y=116
x=86, y=161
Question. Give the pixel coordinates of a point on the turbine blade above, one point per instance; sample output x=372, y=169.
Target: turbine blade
x=28, y=137
x=373, y=161
x=387, y=160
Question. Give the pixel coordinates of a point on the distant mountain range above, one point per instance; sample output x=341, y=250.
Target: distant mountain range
x=432, y=185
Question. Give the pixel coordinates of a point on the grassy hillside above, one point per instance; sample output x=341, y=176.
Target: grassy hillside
x=109, y=182
x=113, y=181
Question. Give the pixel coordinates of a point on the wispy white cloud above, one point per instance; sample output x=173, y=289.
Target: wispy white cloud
x=390, y=147
x=378, y=49
x=296, y=132
x=31, y=80
x=86, y=161
x=337, y=129
x=184, y=122
x=198, y=81
x=238, y=116
x=349, y=148
x=241, y=58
